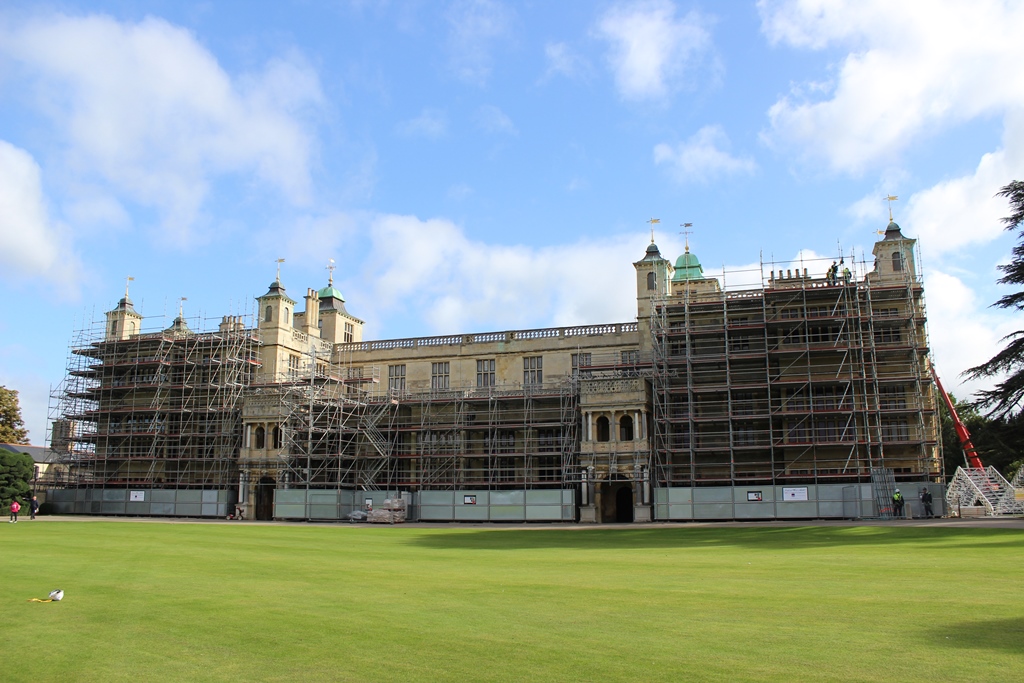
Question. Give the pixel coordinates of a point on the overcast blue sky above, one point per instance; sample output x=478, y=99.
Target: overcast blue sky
x=486, y=165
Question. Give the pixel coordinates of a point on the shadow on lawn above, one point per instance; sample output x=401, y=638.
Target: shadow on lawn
x=754, y=537
x=993, y=634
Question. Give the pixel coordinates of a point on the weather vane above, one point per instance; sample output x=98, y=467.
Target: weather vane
x=126, y=281
x=279, y=262
x=686, y=234
x=330, y=269
x=890, y=198
x=653, y=221
x=181, y=309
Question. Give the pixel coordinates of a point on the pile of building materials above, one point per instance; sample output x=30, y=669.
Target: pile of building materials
x=393, y=512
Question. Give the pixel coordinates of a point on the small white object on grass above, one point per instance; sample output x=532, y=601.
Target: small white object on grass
x=57, y=595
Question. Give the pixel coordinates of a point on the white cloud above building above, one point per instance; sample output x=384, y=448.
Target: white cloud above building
x=475, y=29
x=146, y=110
x=30, y=241
x=650, y=49
x=702, y=157
x=907, y=71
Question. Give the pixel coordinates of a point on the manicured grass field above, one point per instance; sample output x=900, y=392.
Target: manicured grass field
x=205, y=602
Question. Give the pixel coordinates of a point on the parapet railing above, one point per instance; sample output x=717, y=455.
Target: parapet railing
x=486, y=337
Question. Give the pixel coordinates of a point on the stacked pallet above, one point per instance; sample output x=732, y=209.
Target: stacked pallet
x=393, y=512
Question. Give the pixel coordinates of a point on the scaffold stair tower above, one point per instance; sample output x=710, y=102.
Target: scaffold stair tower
x=983, y=487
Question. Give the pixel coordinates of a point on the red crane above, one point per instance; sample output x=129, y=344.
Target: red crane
x=973, y=461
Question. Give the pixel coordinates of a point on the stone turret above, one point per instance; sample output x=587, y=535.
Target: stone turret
x=123, y=322
x=894, y=257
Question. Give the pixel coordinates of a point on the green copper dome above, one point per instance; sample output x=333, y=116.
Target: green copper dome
x=688, y=268
x=330, y=292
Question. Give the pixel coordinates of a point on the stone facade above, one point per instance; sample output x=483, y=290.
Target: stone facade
x=807, y=380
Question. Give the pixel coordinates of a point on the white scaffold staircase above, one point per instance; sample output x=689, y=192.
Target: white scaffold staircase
x=986, y=488
x=1018, y=479
x=368, y=422
x=368, y=425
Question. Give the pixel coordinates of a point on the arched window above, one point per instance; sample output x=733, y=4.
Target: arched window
x=113, y=327
x=897, y=262
x=131, y=328
x=603, y=432
x=269, y=314
x=626, y=428
x=652, y=280
x=277, y=437
x=286, y=314
x=261, y=438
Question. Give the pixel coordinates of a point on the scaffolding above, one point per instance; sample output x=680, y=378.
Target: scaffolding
x=156, y=409
x=804, y=379
x=340, y=428
x=779, y=375
x=486, y=438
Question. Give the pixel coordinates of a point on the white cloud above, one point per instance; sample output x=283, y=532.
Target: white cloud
x=962, y=211
x=964, y=331
x=474, y=27
x=30, y=242
x=701, y=157
x=313, y=239
x=562, y=61
x=431, y=124
x=430, y=269
x=651, y=49
x=146, y=109
x=955, y=212
x=491, y=119
x=912, y=68
x=91, y=208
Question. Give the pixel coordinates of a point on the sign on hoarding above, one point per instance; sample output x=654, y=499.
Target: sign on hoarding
x=798, y=493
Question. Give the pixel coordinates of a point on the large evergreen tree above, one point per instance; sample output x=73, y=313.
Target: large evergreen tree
x=12, y=427
x=1005, y=398
x=16, y=470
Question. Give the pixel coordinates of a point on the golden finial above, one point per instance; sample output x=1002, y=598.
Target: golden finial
x=279, y=262
x=686, y=234
x=330, y=269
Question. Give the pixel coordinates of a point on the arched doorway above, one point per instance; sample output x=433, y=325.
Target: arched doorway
x=616, y=502
x=265, y=498
x=624, y=504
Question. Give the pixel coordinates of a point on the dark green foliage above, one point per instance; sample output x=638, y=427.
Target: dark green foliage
x=1005, y=398
x=15, y=474
x=12, y=427
x=999, y=441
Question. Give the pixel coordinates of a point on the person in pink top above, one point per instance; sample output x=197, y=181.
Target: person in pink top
x=15, y=508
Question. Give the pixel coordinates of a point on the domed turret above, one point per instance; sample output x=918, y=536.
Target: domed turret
x=124, y=321
x=688, y=268
x=892, y=231
x=331, y=298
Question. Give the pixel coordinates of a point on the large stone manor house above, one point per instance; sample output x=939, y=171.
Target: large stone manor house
x=805, y=396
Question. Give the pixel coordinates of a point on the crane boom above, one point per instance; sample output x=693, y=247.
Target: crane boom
x=973, y=461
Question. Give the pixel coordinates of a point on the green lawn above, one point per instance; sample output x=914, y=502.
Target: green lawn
x=236, y=602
